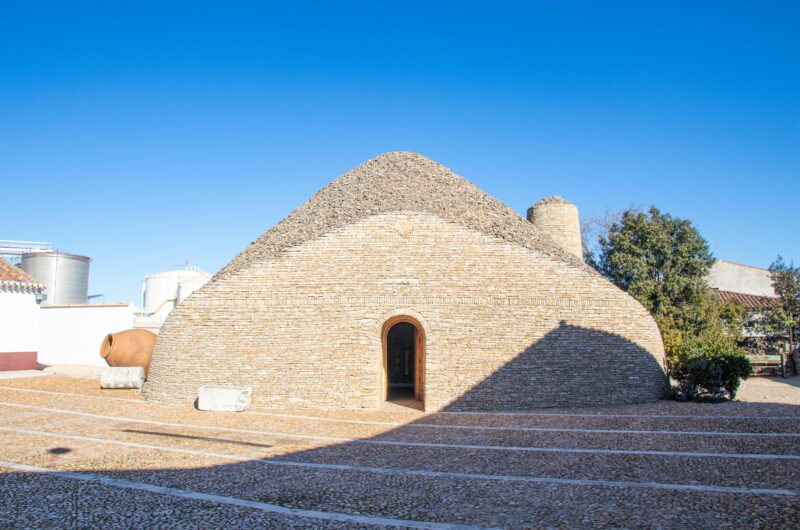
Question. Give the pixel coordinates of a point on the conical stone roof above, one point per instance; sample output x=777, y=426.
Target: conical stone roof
x=393, y=182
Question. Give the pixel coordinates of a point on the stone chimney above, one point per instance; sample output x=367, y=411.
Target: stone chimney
x=558, y=219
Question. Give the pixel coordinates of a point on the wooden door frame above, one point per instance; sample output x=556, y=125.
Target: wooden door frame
x=419, y=355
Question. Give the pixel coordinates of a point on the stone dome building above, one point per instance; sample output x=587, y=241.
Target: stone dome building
x=402, y=279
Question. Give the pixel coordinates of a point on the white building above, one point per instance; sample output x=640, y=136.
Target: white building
x=19, y=318
x=71, y=334
x=748, y=286
x=737, y=278
x=34, y=331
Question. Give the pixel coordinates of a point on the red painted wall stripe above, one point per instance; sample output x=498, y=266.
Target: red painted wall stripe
x=20, y=360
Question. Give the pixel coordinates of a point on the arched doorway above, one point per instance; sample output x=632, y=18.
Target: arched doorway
x=403, y=359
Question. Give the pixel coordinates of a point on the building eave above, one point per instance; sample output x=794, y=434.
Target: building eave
x=15, y=285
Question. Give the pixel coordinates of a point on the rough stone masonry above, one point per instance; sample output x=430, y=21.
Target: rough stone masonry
x=507, y=318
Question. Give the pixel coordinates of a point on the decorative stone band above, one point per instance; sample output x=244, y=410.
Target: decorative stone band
x=21, y=287
x=435, y=239
x=412, y=301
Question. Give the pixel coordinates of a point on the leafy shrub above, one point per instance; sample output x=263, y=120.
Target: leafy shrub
x=709, y=368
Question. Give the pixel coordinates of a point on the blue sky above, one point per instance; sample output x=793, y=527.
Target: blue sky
x=148, y=134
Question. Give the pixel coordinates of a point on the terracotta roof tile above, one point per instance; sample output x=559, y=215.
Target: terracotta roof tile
x=13, y=277
x=748, y=301
x=11, y=273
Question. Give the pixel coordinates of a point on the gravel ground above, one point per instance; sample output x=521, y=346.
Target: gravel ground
x=389, y=464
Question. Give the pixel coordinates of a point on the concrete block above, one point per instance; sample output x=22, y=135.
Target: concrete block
x=122, y=377
x=224, y=398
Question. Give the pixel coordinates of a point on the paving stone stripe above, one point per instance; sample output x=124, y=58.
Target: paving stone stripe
x=50, y=392
x=756, y=456
x=705, y=488
x=422, y=424
x=535, y=429
x=606, y=415
x=571, y=440
x=220, y=499
x=466, y=413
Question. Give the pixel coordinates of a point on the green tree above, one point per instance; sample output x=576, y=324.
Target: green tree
x=781, y=320
x=710, y=366
x=786, y=314
x=663, y=261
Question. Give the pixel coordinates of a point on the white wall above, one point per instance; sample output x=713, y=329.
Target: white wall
x=728, y=276
x=72, y=334
x=19, y=321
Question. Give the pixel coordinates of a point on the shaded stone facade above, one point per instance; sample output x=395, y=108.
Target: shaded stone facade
x=507, y=325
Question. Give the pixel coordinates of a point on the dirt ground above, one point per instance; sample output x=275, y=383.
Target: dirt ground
x=771, y=390
x=75, y=456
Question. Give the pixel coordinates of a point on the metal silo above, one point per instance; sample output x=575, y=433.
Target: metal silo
x=66, y=276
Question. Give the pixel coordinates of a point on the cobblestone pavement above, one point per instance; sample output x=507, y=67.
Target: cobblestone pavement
x=73, y=456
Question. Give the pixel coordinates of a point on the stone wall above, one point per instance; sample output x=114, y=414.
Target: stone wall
x=506, y=327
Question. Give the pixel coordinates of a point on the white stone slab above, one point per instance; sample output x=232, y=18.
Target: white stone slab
x=224, y=398
x=122, y=377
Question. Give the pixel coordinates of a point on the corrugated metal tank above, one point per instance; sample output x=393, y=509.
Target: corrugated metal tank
x=66, y=276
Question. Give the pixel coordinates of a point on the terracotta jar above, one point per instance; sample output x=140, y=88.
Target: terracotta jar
x=132, y=347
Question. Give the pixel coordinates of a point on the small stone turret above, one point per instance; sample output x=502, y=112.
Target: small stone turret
x=558, y=219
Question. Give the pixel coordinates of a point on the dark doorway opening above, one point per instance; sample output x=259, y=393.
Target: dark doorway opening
x=401, y=360
x=403, y=371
